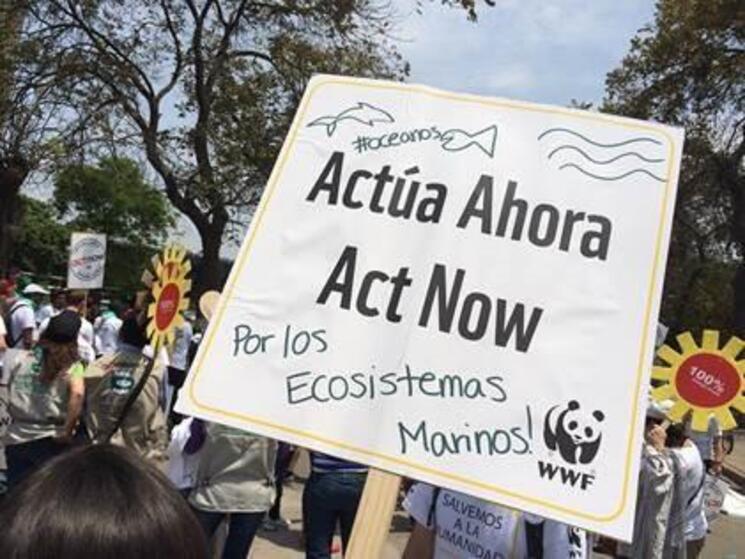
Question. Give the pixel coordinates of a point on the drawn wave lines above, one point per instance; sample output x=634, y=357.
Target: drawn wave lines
x=612, y=166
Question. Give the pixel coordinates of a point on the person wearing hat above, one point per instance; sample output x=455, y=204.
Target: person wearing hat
x=37, y=294
x=45, y=397
x=106, y=328
x=655, y=495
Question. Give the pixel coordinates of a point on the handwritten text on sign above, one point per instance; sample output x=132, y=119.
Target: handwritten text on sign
x=458, y=289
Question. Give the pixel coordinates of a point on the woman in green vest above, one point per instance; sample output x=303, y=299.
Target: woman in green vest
x=45, y=397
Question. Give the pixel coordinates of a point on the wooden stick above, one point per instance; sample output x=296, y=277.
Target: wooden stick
x=374, y=515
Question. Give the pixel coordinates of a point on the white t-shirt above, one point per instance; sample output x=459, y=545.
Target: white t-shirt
x=693, y=491
x=182, y=468
x=705, y=441
x=45, y=312
x=465, y=527
x=180, y=350
x=107, y=328
x=21, y=318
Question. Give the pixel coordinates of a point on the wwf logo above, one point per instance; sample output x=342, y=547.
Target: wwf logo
x=573, y=432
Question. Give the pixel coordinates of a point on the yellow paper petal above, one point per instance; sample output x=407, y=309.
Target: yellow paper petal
x=733, y=348
x=669, y=355
x=700, y=421
x=710, y=340
x=726, y=421
x=662, y=373
x=687, y=343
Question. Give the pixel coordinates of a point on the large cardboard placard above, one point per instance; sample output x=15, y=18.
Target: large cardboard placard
x=459, y=289
x=87, y=263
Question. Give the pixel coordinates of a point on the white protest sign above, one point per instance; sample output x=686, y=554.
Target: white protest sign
x=458, y=289
x=85, y=269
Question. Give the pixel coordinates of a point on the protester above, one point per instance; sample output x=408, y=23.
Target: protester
x=452, y=524
x=106, y=330
x=274, y=520
x=19, y=319
x=235, y=479
x=655, y=494
x=332, y=494
x=38, y=296
x=110, y=381
x=687, y=527
x=98, y=501
x=46, y=391
x=178, y=355
x=710, y=445
x=76, y=302
x=58, y=299
x=183, y=456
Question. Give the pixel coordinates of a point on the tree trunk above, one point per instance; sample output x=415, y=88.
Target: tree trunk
x=211, y=273
x=12, y=176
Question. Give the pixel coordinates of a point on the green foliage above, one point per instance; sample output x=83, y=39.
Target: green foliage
x=235, y=71
x=114, y=198
x=43, y=242
x=686, y=69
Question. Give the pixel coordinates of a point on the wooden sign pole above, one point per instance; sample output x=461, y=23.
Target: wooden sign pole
x=374, y=515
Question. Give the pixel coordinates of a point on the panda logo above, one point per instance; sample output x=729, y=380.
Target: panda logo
x=573, y=432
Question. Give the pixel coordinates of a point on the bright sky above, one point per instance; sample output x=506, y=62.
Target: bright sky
x=546, y=51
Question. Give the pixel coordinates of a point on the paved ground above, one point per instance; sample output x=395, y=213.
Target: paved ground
x=726, y=540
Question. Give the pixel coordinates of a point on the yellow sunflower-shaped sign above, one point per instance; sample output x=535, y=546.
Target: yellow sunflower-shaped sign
x=170, y=292
x=704, y=380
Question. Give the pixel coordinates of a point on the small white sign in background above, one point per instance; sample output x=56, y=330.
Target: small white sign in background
x=85, y=269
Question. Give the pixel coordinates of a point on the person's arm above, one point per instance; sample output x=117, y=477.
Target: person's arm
x=28, y=338
x=76, y=387
x=717, y=452
x=421, y=544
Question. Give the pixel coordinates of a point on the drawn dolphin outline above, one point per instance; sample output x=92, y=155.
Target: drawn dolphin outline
x=369, y=116
x=456, y=139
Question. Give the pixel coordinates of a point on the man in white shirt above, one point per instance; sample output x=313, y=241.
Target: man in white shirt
x=178, y=366
x=690, y=477
x=38, y=294
x=709, y=445
x=444, y=529
x=106, y=328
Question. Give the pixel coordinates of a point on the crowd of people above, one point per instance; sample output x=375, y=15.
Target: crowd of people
x=99, y=464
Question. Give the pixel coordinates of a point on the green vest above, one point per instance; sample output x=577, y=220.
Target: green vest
x=236, y=471
x=109, y=381
x=37, y=409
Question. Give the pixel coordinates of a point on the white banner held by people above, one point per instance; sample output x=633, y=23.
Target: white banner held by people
x=85, y=269
x=458, y=289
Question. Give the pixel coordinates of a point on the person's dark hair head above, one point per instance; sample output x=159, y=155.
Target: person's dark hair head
x=63, y=328
x=676, y=435
x=98, y=501
x=133, y=333
x=58, y=298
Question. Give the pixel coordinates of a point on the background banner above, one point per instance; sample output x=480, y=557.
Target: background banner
x=85, y=269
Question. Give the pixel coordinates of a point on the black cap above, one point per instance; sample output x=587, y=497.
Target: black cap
x=63, y=328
